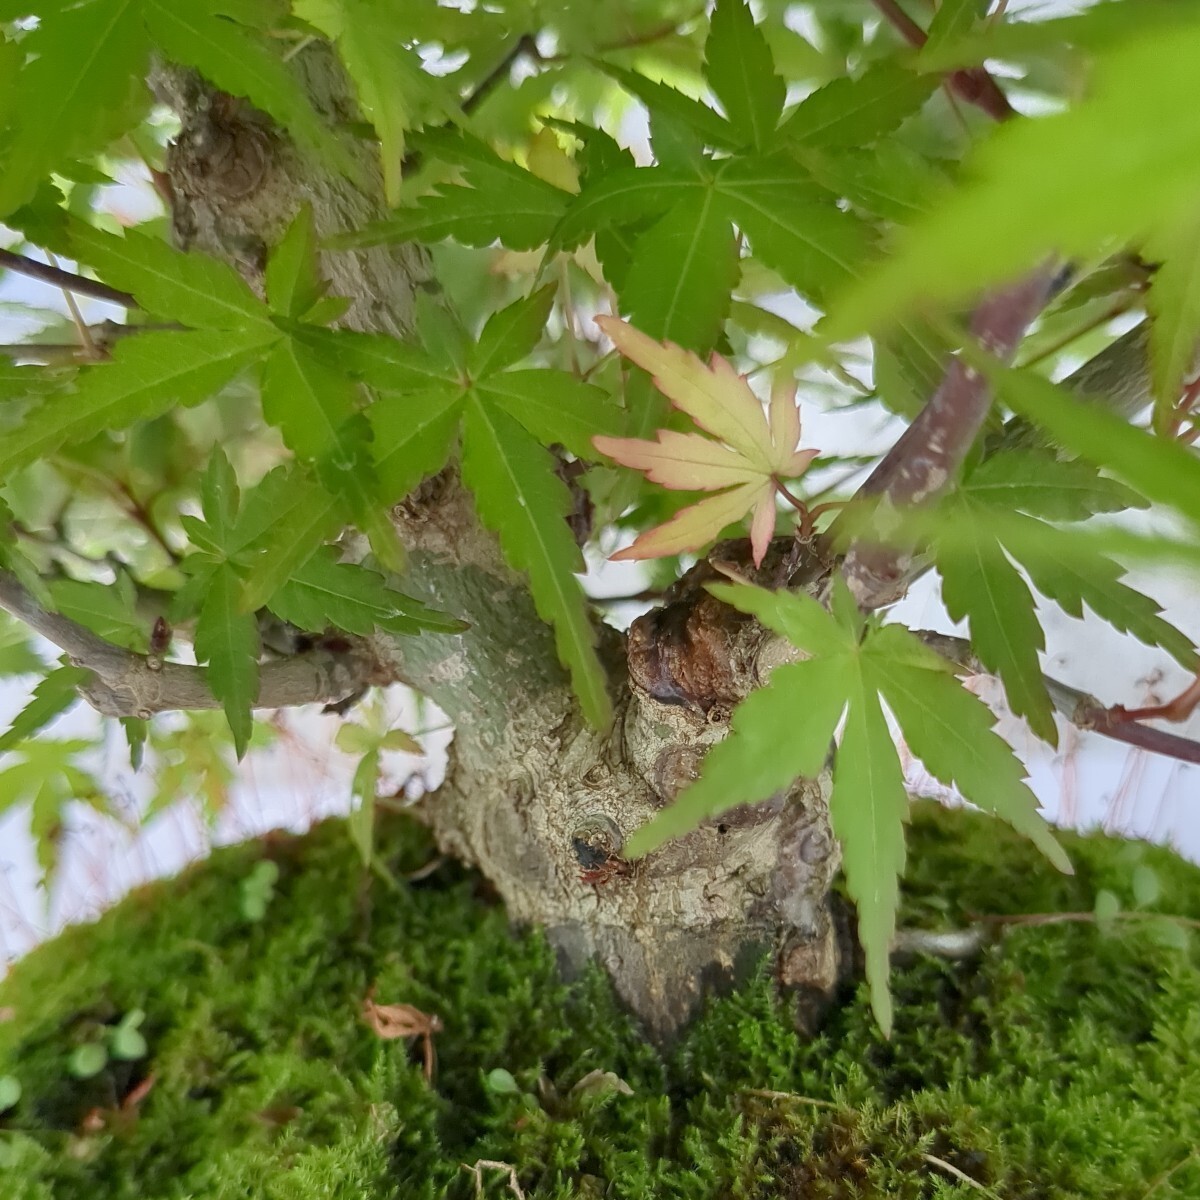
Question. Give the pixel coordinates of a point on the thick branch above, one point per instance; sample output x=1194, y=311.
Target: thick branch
x=139, y=685
x=65, y=279
x=974, y=85
x=925, y=459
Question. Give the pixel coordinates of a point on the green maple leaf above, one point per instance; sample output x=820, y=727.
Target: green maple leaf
x=17, y=656
x=293, y=515
x=1001, y=514
x=226, y=641
x=193, y=289
x=147, y=376
x=240, y=62
x=381, y=361
x=855, y=112
x=784, y=730
x=226, y=638
x=683, y=270
x=624, y=195
x=499, y=201
x=794, y=225
x=740, y=70
x=293, y=281
x=54, y=694
x=953, y=20
x=1053, y=185
x=1173, y=302
x=109, y=610
x=394, y=89
x=708, y=125
x=555, y=407
x=1041, y=484
x=348, y=471
x=46, y=777
x=77, y=89
x=325, y=592
x=1080, y=574
x=980, y=583
x=414, y=435
x=306, y=399
x=1161, y=470
x=1100, y=26
x=522, y=500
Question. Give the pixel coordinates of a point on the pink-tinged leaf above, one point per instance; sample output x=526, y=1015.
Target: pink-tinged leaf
x=756, y=450
x=783, y=417
x=697, y=524
x=762, y=526
x=798, y=463
x=716, y=397
x=682, y=461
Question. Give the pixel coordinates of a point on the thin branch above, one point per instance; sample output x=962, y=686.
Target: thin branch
x=1080, y=709
x=139, y=685
x=80, y=643
x=1079, y=918
x=958, y=1174
x=974, y=85
x=525, y=44
x=103, y=334
x=951, y=944
x=64, y=279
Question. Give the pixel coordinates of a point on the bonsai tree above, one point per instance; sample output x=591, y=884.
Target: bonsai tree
x=417, y=328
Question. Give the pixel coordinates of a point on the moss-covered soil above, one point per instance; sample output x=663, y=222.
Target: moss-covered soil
x=1063, y=1062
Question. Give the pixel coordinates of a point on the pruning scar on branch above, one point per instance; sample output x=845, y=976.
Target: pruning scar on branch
x=126, y=684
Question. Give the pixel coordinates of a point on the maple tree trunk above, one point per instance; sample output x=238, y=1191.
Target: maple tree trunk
x=534, y=798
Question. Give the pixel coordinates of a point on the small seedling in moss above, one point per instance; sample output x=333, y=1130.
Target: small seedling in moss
x=87, y=1060
x=258, y=889
x=125, y=1042
x=10, y=1092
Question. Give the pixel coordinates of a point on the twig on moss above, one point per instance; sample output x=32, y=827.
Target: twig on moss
x=490, y=1164
x=1159, y=1180
x=1079, y=918
x=953, y=944
x=790, y=1098
x=64, y=279
x=961, y=1176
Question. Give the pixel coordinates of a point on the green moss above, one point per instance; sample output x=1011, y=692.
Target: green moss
x=1064, y=1062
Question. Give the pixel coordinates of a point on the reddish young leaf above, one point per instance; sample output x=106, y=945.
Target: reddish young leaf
x=756, y=450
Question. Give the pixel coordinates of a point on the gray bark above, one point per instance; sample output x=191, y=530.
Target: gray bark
x=531, y=789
